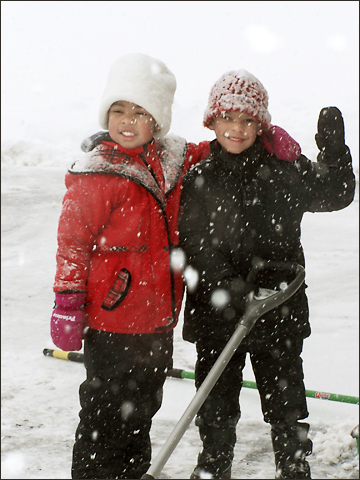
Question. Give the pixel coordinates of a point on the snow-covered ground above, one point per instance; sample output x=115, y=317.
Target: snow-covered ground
x=50, y=95
x=40, y=394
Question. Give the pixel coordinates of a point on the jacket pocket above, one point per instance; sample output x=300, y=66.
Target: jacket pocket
x=118, y=291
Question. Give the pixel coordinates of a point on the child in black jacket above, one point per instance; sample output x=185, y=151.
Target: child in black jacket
x=239, y=205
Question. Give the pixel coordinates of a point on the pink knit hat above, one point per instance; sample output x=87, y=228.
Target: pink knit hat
x=238, y=90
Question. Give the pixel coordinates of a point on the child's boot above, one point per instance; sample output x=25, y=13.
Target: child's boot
x=217, y=454
x=291, y=445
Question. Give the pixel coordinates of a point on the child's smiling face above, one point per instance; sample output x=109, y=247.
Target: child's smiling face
x=130, y=125
x=235, y=131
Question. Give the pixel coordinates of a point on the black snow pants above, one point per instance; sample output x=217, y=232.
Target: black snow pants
x=122, y=392
x=279, y=376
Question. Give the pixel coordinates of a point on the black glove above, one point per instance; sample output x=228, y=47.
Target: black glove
x=330, y=138
x=91, y=142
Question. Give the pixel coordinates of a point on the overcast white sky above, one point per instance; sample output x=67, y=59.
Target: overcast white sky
x=55, y=59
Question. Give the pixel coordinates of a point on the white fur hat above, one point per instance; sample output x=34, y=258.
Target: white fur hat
x=145, y=81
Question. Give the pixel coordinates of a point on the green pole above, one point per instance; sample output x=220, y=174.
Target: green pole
x=335, y=397
x=178, y=373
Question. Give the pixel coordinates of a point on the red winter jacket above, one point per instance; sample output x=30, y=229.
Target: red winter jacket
x=118, y=224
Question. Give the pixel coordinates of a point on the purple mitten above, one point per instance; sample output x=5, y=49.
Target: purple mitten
x=68, y=320
x=277, y=141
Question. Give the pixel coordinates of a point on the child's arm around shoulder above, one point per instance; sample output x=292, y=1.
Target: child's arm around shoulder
x=275, y=140
x=196, y=152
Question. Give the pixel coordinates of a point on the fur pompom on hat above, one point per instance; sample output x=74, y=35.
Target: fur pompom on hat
x=145, y=81
x=238, y=90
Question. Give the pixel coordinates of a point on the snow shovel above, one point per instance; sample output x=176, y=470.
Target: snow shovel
x=256, y=308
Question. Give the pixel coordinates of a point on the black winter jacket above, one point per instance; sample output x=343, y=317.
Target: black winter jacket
x=237, y=208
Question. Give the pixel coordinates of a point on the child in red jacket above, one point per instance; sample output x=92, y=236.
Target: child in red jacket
x=116, y=231
x=114, y=279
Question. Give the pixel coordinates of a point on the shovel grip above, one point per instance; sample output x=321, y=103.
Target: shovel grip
x=258, y=307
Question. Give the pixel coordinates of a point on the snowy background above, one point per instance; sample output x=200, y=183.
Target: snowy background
x=55, y=58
